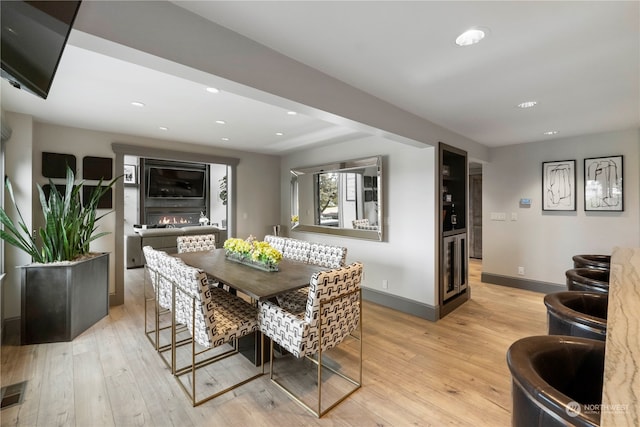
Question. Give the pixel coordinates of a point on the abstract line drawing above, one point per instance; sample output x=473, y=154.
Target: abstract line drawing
x=558, y=185
x=603, y=184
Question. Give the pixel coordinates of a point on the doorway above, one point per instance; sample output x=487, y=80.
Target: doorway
x=475, y=210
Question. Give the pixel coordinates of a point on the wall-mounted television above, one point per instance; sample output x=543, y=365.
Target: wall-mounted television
x=176, y=183
x=33, y=37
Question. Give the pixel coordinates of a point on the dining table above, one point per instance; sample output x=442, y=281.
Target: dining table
x=258, y=284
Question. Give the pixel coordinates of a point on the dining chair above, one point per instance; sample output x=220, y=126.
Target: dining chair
x=360, y=223
x=160, y=267
x=194, y=243
x=214, y=318
x=161, y=296
x=276, y=242
x=296, y=250
x=333, y=312
x=319, y=254
x=327, y=255
x=201, y=242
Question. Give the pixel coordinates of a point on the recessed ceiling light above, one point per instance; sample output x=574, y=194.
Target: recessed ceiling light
x=221, y=122
x=163, y=128
x=224, y=139
x=550, y=132
x=137, y=104
x=279, y=133
x=527, y=104
x=291, y=113
x=469, y=37
x=213, y=90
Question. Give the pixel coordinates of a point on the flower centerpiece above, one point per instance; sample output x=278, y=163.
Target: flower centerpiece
x=253, y=253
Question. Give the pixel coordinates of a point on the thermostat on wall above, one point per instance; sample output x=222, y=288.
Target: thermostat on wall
x=525, y=202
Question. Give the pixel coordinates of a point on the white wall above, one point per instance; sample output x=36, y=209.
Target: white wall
x=217, y=211
x=544, y=242
x=131, y=198
x=407, y=256
x=257, y=195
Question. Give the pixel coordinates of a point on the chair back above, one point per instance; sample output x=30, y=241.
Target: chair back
x=356, y=223
x=334, y=298
x=195, y=243
x=276, y=242
x=327, y=255
x=194, y=293
x=296, y=250
x=160, y=281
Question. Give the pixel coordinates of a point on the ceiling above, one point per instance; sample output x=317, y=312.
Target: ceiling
x=580, y=61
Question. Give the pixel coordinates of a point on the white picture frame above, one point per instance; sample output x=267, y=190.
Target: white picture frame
x=130, y=175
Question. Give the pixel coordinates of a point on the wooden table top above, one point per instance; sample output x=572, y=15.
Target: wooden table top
x=621, y=393
x=258, y=284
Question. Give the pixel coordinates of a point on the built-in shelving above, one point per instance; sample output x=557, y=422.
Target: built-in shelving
x=453, y=277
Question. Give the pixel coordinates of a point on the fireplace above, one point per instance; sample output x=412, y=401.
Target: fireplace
x=173, y=217
x=173, y=193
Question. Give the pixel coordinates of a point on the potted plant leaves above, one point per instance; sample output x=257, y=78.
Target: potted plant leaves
x=65, y=290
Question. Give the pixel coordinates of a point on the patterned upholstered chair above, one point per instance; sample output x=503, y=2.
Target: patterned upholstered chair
x=214, y=318
x=296, y=250
x=201, y=242
x=363, y=224
x=332, y=313
x=276, y=242
x=360, y=223
x=322, y=255
x=161, y=296
x=327, y=255
x=162, y=268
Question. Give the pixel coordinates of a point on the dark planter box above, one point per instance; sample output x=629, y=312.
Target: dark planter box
x=60, y=301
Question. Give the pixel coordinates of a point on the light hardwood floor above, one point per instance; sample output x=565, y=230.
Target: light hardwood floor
x=416, y=372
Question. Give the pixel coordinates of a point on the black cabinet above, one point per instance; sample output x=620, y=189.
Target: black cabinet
x=453, y=228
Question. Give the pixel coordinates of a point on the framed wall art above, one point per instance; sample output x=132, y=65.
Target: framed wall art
x=130, y=175
x=603, y=184
x=97, y=167
x=559, y=185
x=54, y=165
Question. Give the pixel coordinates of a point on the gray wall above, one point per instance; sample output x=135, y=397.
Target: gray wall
x=544, y=242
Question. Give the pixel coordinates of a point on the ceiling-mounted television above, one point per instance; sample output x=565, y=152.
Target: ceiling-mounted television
x=34, y=34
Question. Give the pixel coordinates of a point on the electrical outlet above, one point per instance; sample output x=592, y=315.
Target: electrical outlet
x=385, y=284
x=521, y=271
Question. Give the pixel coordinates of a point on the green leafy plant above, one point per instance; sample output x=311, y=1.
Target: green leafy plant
x=69, y=226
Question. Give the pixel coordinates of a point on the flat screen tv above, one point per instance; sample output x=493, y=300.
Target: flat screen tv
x=176, y=183
x=34, y=34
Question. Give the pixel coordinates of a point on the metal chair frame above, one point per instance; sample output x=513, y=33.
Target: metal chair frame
x=318, y=412
x=195, y=365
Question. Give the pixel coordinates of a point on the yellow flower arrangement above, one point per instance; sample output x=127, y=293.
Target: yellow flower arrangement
x=238, y=246
x=251, y=249
x=295, y=218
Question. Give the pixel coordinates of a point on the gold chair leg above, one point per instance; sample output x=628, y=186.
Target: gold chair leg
x=358, y=383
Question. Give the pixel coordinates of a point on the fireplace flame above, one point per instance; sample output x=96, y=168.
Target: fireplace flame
x=172, y=220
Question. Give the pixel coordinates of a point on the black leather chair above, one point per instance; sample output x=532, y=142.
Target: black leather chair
x=592, y=261
x=588, y=279
x=550, y=374
x=577, y=313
